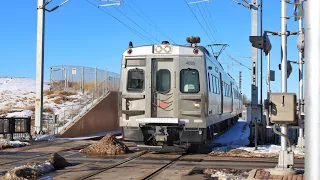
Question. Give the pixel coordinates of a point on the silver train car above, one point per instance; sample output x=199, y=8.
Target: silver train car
x=173, y=96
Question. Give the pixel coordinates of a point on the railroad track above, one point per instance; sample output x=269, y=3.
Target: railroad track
x=157, y=165
x=111, y=166
x=18, y=159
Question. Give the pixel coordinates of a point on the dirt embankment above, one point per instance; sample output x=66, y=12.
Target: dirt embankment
x=108, y=145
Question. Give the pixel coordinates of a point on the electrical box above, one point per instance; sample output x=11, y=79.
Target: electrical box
x=283, y=108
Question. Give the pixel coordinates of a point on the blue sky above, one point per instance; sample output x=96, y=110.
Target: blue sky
x=80, y=34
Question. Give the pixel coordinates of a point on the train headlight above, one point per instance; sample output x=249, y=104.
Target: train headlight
x=158, y=48
x=196, y=105
x=167, y=49
x=162, y=49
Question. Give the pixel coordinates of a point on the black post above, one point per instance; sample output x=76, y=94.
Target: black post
x=11, y=127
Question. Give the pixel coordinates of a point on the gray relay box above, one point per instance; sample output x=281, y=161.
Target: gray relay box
x=283, y=108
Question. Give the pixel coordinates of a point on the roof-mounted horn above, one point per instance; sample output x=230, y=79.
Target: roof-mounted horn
x=193, y=40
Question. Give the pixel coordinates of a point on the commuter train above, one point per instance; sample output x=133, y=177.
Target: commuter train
x=174, y=96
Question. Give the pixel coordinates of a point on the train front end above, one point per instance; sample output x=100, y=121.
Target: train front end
x=162, y=101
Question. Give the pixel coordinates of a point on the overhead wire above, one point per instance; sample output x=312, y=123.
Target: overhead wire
x=136, y=24
x=197, y=20
x=219, y=40
x=124, y=24
x=151, y=23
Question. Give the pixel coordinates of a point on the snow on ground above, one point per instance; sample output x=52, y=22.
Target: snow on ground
x=53, y=138
x=235, y=141
x=12, y=144
x=24, y=113
x=227, y=174
x=17, y=99
x=264, y=149
x=236, y=136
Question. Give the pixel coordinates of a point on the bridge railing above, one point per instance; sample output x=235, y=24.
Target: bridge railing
x=78, y=78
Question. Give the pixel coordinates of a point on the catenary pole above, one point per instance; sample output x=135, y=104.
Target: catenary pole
x=39, y=66
x=312, y=106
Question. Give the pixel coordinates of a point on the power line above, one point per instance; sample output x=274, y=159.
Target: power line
x=131, y=29
x=154, y=25
x=135, y=23
x=205, y=22
x=197, y=20
x=226, y=51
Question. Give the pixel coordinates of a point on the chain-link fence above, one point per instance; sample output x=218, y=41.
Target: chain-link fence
x=79, y=78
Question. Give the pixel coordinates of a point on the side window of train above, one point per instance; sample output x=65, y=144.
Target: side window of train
x=135, y=81
x=217, y=85
x=189, y=81
x=213, y=84
x=163, y=80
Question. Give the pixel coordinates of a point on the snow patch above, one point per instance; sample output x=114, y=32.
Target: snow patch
x=46, y=137
x=236, y=136
x=44, y=168
x=15, y=144
x=267, y=149
x=226, y=176
x=24, y=113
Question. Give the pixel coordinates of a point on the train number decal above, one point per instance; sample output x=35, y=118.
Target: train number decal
x=192, y=63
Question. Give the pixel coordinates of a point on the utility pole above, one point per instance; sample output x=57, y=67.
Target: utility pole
x=39, y=67
x=301, y=139
x=284, y=128
x=40, y=60
x=312, y=55
x=261, y=65
x=254, y=88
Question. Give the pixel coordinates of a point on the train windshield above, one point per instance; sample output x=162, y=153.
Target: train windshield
x=163, y=80
x=135, y=80
x=189, y=81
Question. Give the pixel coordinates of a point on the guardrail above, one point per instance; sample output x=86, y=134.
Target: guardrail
x=15, y=125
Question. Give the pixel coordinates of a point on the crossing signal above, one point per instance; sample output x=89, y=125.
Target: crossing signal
x=261, y=42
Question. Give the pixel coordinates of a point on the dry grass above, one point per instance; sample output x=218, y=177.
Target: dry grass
x=66, y=93
x=31, y=108
x=48, y=92
x=48, y=110
x=88, y=86
x=58, y=101
x=4, y=111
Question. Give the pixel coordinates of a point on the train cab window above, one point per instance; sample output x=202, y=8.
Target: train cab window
x=189, y=81
x=135, y=80
x=163, y=80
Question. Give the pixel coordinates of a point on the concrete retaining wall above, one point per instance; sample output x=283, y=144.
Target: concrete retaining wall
x=101, y=118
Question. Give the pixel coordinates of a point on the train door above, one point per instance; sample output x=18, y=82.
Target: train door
x=221, y=94
x=162, y=87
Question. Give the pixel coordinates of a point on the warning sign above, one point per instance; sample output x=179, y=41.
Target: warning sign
x=37, y=102
x=254, y=110
x=74, y=70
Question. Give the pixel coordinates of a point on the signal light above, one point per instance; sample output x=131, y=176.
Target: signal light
x=195, y=51
x=129, y=51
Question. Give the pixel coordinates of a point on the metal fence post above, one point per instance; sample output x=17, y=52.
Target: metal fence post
x=96, y=79
x=66, y=77
x=82, y=79
x=51, y=69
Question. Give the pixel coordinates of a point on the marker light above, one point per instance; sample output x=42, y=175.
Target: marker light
x=195, y=51
x=197, y=105
x=129, y=51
